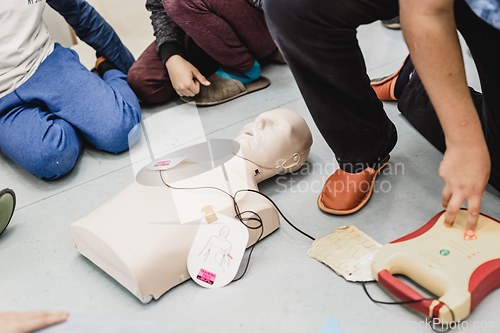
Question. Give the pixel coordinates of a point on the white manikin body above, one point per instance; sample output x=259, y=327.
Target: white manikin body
x=142, y=236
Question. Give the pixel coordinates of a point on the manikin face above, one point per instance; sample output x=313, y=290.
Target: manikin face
x=275, y=135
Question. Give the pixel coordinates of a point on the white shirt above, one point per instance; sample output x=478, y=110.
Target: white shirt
x=25, y=42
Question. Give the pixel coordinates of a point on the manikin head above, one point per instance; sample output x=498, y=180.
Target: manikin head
x=277, y=141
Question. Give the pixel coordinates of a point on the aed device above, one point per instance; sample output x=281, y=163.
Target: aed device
x=460, y=272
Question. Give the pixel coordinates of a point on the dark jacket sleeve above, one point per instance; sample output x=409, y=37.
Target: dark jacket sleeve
x=169, y=36
x=94, y=30
x=256, y=3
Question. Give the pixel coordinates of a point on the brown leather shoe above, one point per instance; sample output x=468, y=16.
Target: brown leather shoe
x=345, y=193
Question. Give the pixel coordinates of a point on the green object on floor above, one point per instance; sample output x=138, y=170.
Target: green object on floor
x=7, y=206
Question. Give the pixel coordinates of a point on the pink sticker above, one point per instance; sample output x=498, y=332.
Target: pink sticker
x=206, y=276
x=162, y=163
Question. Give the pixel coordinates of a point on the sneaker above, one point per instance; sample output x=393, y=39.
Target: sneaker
x=394, y=23
x=7, y=206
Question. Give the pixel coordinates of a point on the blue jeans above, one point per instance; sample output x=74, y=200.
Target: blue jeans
x=43, y=122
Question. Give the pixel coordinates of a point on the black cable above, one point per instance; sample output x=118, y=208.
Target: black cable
x=279, y=211
x=391, y=303
x=261, y=226
x=239, y=215
x=411, y=302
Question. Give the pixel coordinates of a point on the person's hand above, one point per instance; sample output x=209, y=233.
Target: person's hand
x=26, y=322
x=466, y=171
x=184, y=76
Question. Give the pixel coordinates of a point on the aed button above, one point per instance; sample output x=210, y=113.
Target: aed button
x=444, y=252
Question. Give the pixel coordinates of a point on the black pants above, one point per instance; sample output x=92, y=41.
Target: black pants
x=318, y=40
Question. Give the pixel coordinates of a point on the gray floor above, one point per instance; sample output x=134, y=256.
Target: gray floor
x=284, y=290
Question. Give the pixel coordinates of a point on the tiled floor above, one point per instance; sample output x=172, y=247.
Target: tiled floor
x=284, y=290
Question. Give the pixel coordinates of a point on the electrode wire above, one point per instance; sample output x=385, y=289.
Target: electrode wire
x=238, y=215
x=411, y=302
x=279, y=211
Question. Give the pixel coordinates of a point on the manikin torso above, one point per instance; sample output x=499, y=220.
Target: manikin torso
x=142, y=236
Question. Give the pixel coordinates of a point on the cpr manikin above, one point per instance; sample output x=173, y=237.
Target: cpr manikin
x=142, y=236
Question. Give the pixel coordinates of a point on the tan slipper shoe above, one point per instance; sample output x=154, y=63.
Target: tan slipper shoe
x=345, y=193
x=222, y=90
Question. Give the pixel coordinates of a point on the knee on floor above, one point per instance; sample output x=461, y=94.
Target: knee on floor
x=118, y=138
x=57, y=155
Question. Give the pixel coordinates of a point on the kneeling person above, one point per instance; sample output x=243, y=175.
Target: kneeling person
x=195, y=39
x=49, y=102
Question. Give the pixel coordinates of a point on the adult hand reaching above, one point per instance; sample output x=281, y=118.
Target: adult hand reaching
x=25, y=322
x=465, y=170
x=431, y=35
x=184, y=76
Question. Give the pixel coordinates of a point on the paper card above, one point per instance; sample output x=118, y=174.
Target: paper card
x=168, y=163
x=217, y=251
x=348, y=251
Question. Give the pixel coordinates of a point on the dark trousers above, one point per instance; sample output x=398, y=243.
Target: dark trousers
x=230, y=34
x=318, y=40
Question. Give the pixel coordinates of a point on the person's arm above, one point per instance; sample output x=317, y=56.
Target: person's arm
x=169, y=36
x=184, y=76
x=26, y=322
x=94, y=30
x=430, y=32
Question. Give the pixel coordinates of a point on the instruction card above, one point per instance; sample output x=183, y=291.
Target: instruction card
x=348, y=251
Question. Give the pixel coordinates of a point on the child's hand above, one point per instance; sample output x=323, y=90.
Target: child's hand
x=26, y=322
x=184, y=76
